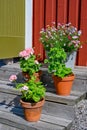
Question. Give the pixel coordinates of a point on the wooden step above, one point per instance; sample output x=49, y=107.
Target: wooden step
x=6, y=127
x=52, y=107
x=16, y=119
x=79, y=82
x=7, y=70
x=72, y=99
x=61, y=106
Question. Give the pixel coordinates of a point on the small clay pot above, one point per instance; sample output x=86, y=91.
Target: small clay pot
x=32, y=111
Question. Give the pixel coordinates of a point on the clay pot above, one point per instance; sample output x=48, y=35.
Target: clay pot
x=27, y=76
x=32, y=111
x=63, y=86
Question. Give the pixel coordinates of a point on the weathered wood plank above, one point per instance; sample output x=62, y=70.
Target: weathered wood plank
x=46, y=118
x=7, y=70
x=9, y=99
x=12, y=109
x=56, y=120
x=9, y=89
x=20, y=123
x=72, y=99
x=14, y=66
x=51, y=108
x=59, y=110
x=6, y=127
x=55, y=105
x=80, y=82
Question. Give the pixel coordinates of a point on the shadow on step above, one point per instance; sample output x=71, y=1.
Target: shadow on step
x=12, y=105
x=47, y=80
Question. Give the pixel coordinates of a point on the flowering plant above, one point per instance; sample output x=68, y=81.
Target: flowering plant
x=65, y=36
x=28, y=61
x=31, y=91
x=56, y=63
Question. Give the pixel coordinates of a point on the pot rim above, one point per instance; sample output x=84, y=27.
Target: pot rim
x=32, y=105
x=70, y=77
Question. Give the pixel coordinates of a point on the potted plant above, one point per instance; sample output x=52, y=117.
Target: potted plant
x=65, y=36
x=29, y=64
x=63, y=77
x=32, y=97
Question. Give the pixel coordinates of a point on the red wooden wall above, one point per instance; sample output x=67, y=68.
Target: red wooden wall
x=47, y=11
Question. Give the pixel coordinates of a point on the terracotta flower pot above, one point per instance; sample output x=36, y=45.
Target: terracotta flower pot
x=32, y=111
x=27, y=76
x=63, y=86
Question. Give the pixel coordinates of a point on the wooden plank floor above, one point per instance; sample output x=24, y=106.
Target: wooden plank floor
x=47, y=122
x=57, y=114
x=72, y=99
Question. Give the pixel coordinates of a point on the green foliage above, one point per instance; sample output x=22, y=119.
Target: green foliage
x=56, y=62
x=28, y=65
x=32, y=91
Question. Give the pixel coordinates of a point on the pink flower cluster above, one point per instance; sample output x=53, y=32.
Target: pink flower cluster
x=13, y=78
x=64, y=35
x=26, y=53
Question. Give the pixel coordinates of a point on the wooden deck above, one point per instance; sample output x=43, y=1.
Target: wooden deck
x=58, y=111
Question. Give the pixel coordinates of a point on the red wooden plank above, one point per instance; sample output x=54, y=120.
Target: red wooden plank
x=82, y=56
x=73, y=15
x=62, y=11
x=38, y=23
x=74, y=12
x=50, y=11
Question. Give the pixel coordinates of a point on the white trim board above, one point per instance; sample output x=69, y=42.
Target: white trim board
x=28, y=23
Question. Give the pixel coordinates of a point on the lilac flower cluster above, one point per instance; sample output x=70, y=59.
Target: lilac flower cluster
x=64, y=35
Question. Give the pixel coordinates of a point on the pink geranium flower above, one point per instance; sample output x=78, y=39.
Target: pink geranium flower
x=29, y=51
x=28, y=61
x=23, y=53
x=13, y=78
x=26, y=53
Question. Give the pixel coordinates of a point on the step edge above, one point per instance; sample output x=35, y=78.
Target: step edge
x=23, y=125
x=50, y=96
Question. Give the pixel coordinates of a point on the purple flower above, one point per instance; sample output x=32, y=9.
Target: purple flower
x=64, y=33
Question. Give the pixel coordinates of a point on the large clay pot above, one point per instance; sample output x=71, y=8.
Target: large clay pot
x=63, y=86
x=32, y=111
x=27, y=76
